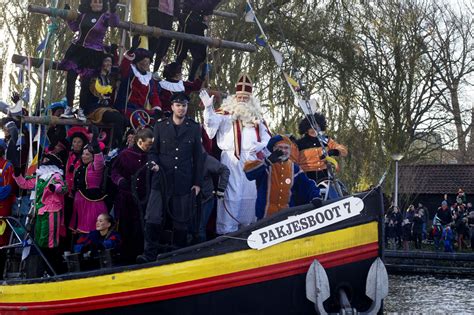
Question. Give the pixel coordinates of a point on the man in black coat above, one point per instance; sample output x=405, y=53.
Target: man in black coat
x=175, y=158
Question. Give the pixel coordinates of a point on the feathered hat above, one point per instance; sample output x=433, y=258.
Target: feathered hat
x=79, y=132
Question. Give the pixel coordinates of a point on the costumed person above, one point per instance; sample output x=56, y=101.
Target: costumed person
x=88, y=195
x=241, y=134
x=193, y=19
x=55, y=134
x=50, y=189
x=78, y=138
x=97, y=99
x=173, y=83
x=161, y=15
x=175, y=159
x=212, y=168
x=310, y=157
x=86, y=51
x=129, y=174
x=11, y=133
x=103, y=237
x=7, y=199
x=18, y=101
x=138, y=90
x=280, y=182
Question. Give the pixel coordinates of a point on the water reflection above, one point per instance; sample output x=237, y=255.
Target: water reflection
x=430, y=295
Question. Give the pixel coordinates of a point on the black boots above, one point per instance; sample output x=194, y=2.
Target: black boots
x=152, y=243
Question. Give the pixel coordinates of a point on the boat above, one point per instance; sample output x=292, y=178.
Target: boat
x=322, y=258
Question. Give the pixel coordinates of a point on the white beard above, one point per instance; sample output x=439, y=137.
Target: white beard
x=250, y=113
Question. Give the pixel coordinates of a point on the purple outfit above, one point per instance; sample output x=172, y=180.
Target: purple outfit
x=88, y=197
x=86, y=50
x=128, y=163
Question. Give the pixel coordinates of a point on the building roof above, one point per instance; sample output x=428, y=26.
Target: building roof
x=436, y=178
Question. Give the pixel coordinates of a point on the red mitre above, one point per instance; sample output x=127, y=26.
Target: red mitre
x=244, y=85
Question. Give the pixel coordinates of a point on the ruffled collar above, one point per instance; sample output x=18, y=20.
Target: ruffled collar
x=46, y=171
x=143, y=78
x=177, y=86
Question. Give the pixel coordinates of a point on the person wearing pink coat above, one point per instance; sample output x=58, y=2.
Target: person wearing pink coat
x=88, y=195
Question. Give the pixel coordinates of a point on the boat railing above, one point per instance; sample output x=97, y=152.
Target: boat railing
x=22, y=238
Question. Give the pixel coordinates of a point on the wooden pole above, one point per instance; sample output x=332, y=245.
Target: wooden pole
x=35, y=62
x=138, y=14
x=53, y=120
x=225, y=14
x=150, y=31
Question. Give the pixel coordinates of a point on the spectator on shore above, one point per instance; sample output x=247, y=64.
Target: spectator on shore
x=448, y=238
x=461, y=229
x=470, y=222
x=418, y=228
x=410, y=213
x=461, y=197
x=396, y=220
x=406, y=233
x=424, y=216
x=444, y=214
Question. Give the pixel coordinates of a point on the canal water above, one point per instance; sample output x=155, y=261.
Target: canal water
x=430, y=295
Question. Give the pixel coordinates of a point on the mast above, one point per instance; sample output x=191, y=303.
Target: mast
x=151, y=31
x=139, y=15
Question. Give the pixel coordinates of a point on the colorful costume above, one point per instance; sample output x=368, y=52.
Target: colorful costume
x=237, y=141
x=129, y=161
x=49, y=204
x=88, y=196
x=87, y=49
x=137, y=90
x=7, y=196
x=280, y=185
x=94, y=242
x=310, y=155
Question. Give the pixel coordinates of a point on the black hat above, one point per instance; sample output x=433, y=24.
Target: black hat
x=180, y=98
x=53, y=159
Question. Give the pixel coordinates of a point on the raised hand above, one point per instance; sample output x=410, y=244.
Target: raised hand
x=136, y=40
x=275, y=156
x=206, y=99
x=15, y=97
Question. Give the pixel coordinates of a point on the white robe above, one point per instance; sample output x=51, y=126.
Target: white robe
x=241, y=194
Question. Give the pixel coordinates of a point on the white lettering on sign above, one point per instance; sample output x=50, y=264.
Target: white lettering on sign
x=304, y=223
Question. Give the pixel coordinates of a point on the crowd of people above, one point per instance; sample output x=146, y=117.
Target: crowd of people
x=150, y=185
x=452, y=226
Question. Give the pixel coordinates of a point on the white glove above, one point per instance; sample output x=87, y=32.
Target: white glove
x=206, y=99
x=257, y=147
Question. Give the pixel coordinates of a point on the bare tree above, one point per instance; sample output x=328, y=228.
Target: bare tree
x=451, y=52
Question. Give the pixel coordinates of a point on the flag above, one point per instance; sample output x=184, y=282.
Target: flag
x=292, y=81
x=277, y=56
x=33, y=166
x=260, y=39
x=249, y=14
x=41, y=46
x=20, y=75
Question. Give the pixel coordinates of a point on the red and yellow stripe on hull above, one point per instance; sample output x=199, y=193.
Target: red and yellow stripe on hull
x=193, y=277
